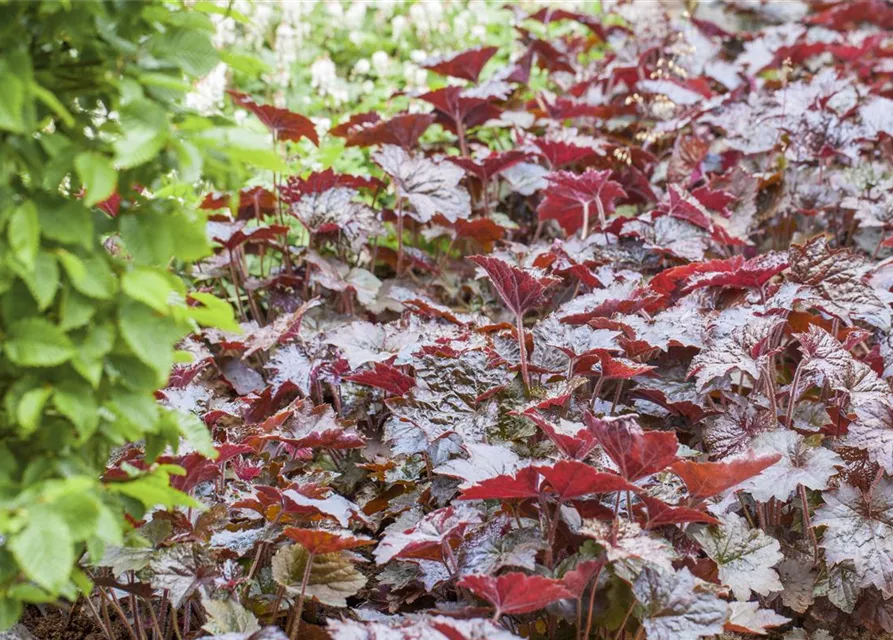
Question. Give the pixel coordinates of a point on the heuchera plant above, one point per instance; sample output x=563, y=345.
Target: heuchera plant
x=600, y=348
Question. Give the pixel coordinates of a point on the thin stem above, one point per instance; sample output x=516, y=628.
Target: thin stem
x=807, y=524
x=789, y=415
x=98, y=618
x=296, y=623
x=399, y=236
x=592, y=602
x=584, y=230
x=155, y=626
x=625, y=620
x=463, y=144
x=120, y=611
x=174, y=623
x=523, y=349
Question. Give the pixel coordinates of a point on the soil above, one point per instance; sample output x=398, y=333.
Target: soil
x=53, y=624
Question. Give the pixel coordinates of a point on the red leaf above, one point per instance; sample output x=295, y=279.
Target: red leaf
x=635, y=452
x=577, y=579
x=580, y=200
x=571, y=479
x=403, y=130
x=560, y=153
x=285, y=124
x=305, y=426
x=601, y=362
x=485, y=168
x=524, y=484
x=384, y=376
x=736, y=272
x=322, y=181
x=516, y=592
x=707, y=479
x=466, y=65
x=318, y=541
x=575, y=447
x=453, y=108
x=660, y=513
x=520, y=289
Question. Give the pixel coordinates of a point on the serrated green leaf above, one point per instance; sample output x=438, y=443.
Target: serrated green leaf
x=44, y=550
x=36, y=342
x=30, y=408
x=97, y=175
x=23, y=232
x=150, y=287
x=150, y=336
x=76, y=402
x=43, y=280
x=195, y=432
x=10, y=608
x=214, y=312
x=92, y=277
x=153, y=489
x=12, y=102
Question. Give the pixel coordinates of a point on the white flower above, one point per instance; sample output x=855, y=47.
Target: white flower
x=479, y=32
x=362, y=67
x=355, y=15
x=206, y=96
x=322, y=73
x=381, y=61
x=398, y=26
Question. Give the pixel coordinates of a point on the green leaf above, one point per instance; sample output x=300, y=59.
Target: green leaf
x=10, y=608
x=149, y=286
x=30, y=408
x=36, y=342
x=154, y=489
x=44, y=550
x=12, y=102
x=91, y=350
x=23, y=233
x=97, y=175
x=76, y=402
x=195, y=432
x=43, y=280
x=80, y=510
x=68, y=222
x=92, y=277
x=145, y=130
x=51, y=101
x=189, y=49
x=151, y=337
x=214, y=312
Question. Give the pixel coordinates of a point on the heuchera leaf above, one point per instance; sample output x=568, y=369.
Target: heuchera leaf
x=580, y=201
x=403, y=130
x=304, y=426
x=636, y=453
x=431, y=188
x=859, y=529
x=569, y=479
x=384, y=376
x=466, y=65
x=707, y=479
x=523, y=484
x=520, y=289
x=516, y=592
x=285, y=124
x=660, y=513
x=318, y=541
x=676, y=607
x=745, y=556
x=455, y=107
x=748, y=617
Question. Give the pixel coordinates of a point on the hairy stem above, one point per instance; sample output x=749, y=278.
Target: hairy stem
x=522, y=346
x=299, y=609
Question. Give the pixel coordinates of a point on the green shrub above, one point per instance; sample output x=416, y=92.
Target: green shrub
x=89, y=310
